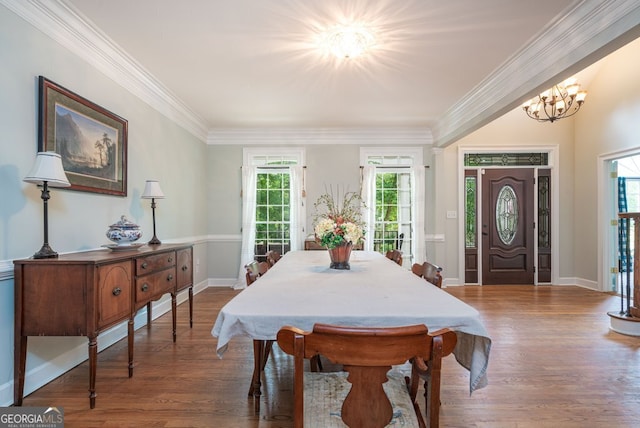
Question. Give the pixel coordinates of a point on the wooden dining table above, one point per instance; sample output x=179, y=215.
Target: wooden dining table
x=301, y=290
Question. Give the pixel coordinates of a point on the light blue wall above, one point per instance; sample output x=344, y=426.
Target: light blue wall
x=158, y=148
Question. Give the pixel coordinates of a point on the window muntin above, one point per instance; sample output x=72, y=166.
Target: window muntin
x=393, y=225
x=407, y=232
x=273, y=209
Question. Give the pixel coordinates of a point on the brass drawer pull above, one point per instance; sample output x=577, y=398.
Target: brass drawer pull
x=144, y=287
x=170, y=260
x=184, y=268
x=169, y=277
x=116, y=291
x=144, y=265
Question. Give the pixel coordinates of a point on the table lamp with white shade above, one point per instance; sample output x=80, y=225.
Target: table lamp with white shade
x=48, y=172
x=153, y=191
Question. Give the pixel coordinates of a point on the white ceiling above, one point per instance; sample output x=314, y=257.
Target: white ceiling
x=247, y=64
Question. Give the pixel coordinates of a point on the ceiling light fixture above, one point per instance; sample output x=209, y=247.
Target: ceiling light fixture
x=562, y=100
x=347, y=42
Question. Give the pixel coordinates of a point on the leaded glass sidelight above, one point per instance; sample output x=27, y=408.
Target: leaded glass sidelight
x=507, y=214
x=470, y=212
x=544, y=213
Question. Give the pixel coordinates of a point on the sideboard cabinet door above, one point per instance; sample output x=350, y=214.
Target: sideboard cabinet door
x=185, y=268
x=114, y=293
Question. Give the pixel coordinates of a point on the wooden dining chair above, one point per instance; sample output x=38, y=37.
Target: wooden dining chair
x=432, y=273
x=395, y=255
x=369, y=393
x=255, y=270
x=272, y=257
x=417, y=269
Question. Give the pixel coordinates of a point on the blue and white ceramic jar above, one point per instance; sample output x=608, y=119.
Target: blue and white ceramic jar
x=124, y=232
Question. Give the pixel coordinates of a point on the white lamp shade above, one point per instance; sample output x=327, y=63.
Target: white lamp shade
x=152, y=190
x=48, y=167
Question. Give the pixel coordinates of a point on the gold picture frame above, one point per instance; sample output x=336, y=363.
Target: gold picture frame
x=91, y=140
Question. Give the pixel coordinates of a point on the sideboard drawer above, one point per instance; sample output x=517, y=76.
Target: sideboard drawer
x=148, y=264
x=153, y=286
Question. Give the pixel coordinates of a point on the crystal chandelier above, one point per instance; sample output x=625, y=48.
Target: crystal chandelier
x=562, y=100
x=348, y=41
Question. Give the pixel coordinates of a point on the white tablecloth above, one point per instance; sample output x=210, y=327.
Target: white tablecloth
x=301, y=290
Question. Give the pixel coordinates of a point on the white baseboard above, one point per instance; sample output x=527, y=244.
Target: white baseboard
x=222, y=282
x=580, y=282
x=584, y=283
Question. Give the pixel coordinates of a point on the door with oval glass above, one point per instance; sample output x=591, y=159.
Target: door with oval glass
x=508, y=226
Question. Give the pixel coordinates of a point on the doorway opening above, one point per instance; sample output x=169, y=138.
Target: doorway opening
x=624, y=196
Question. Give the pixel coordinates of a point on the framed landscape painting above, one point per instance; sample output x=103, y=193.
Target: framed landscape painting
x=91, y=140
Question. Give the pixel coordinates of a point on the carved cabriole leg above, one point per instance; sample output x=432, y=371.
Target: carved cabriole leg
x=634, y=310
x=93, y=362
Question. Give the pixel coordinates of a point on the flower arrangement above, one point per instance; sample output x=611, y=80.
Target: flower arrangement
x=338, y=223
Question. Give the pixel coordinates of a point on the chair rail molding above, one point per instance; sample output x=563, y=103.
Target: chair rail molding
x=6, y=270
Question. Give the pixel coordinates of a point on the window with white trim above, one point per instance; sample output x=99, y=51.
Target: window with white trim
x=395, y=201
x=272, y=202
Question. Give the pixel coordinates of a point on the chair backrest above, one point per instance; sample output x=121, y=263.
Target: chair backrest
x=431, y=273
x=272, y=257
x=417, y=269
x=255, y=270
x=367, y=354
x=395, y=255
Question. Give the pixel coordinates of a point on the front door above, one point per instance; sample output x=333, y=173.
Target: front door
x=507, y=226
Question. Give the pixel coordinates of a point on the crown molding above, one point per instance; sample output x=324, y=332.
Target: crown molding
x=585, y=33
x=60, y=21
x=309, y=136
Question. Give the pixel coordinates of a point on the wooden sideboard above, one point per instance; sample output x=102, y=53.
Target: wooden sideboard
x=83, y=294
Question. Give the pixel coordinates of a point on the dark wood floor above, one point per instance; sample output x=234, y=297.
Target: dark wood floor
x=554, y=363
